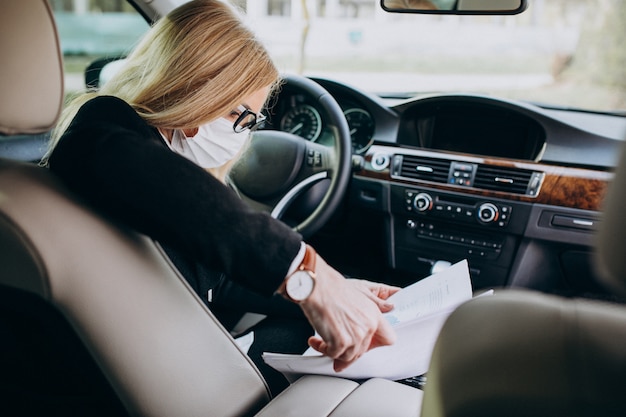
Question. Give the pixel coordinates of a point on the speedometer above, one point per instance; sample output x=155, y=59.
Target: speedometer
x=303, y=120
x=361, y=129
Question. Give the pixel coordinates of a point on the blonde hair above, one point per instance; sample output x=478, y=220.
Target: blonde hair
x=195, y=65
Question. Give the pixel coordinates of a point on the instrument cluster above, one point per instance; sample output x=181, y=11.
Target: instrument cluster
x=298, y=115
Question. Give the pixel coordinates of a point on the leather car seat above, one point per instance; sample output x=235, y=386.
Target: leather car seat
x=521, y=353
x=106, y=300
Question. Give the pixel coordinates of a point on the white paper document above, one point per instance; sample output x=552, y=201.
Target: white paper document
x=418, y=315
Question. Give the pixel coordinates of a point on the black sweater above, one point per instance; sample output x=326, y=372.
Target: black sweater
x=119, y=164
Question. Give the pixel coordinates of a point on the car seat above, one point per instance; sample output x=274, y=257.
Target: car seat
x=94, y=319
x=521, y=353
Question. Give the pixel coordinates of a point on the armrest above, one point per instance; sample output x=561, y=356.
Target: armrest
x=381, y=397
x=322, y=396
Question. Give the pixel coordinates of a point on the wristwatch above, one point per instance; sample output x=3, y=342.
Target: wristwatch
x=300, y=284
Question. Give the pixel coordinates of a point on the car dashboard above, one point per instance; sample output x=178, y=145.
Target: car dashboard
x=514, y=188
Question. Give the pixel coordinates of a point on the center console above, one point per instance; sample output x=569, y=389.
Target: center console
x=430, y=225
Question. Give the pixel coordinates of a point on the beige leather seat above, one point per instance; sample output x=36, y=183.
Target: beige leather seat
x=527, y=354
x=156, y=348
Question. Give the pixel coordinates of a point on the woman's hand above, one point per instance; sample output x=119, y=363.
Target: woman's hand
x=347, y=315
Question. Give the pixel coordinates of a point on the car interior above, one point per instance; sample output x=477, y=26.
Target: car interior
x=95, y=319
x=76, y=278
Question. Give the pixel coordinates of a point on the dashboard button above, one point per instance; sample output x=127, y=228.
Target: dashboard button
x=423, y=202
x=487, y=213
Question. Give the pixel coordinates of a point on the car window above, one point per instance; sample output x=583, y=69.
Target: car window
x=561, y=52
x=91, y=30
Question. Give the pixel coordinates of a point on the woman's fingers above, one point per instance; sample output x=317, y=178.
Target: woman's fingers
x=347, y=315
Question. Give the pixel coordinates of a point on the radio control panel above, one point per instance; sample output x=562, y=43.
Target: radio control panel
x=465, y=209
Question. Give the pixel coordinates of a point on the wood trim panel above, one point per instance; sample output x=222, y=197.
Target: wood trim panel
x=562, y=186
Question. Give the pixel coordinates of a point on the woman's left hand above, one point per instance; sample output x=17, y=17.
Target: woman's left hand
x=347, y=315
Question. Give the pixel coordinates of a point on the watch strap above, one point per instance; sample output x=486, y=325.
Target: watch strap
x=307, y=264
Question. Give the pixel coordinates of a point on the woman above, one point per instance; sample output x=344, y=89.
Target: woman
x=139, y=150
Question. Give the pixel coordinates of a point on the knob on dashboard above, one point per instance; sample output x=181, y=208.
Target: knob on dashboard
x=423, y=202
x=487, y=213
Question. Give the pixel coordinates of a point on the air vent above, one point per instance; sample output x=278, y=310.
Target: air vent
x=422, y=168
x=510, y=180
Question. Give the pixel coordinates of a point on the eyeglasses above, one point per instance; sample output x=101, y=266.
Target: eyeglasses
x=248, y=119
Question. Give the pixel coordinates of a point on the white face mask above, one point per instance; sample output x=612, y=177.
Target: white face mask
x=215, y=143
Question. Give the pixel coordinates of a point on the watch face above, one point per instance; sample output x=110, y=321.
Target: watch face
x=300, y=285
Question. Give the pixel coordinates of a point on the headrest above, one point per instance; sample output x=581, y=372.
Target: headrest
x=31, y=73
x=611, y=239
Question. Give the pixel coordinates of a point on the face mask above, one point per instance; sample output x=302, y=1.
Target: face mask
x=215, y=143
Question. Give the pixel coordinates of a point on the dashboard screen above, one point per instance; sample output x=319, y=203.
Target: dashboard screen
x=484, y=137
x=481, y=130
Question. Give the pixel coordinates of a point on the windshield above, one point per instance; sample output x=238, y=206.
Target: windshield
x=563, y=53
x=566, y=53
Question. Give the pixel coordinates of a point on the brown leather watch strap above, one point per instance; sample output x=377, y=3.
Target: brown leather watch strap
x=307, y=264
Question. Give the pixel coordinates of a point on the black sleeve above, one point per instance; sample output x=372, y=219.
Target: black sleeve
x=110, y=157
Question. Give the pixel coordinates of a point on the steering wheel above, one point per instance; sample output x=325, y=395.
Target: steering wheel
x=277, y=166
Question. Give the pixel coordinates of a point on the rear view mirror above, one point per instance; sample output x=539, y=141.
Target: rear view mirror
x=455, y=6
